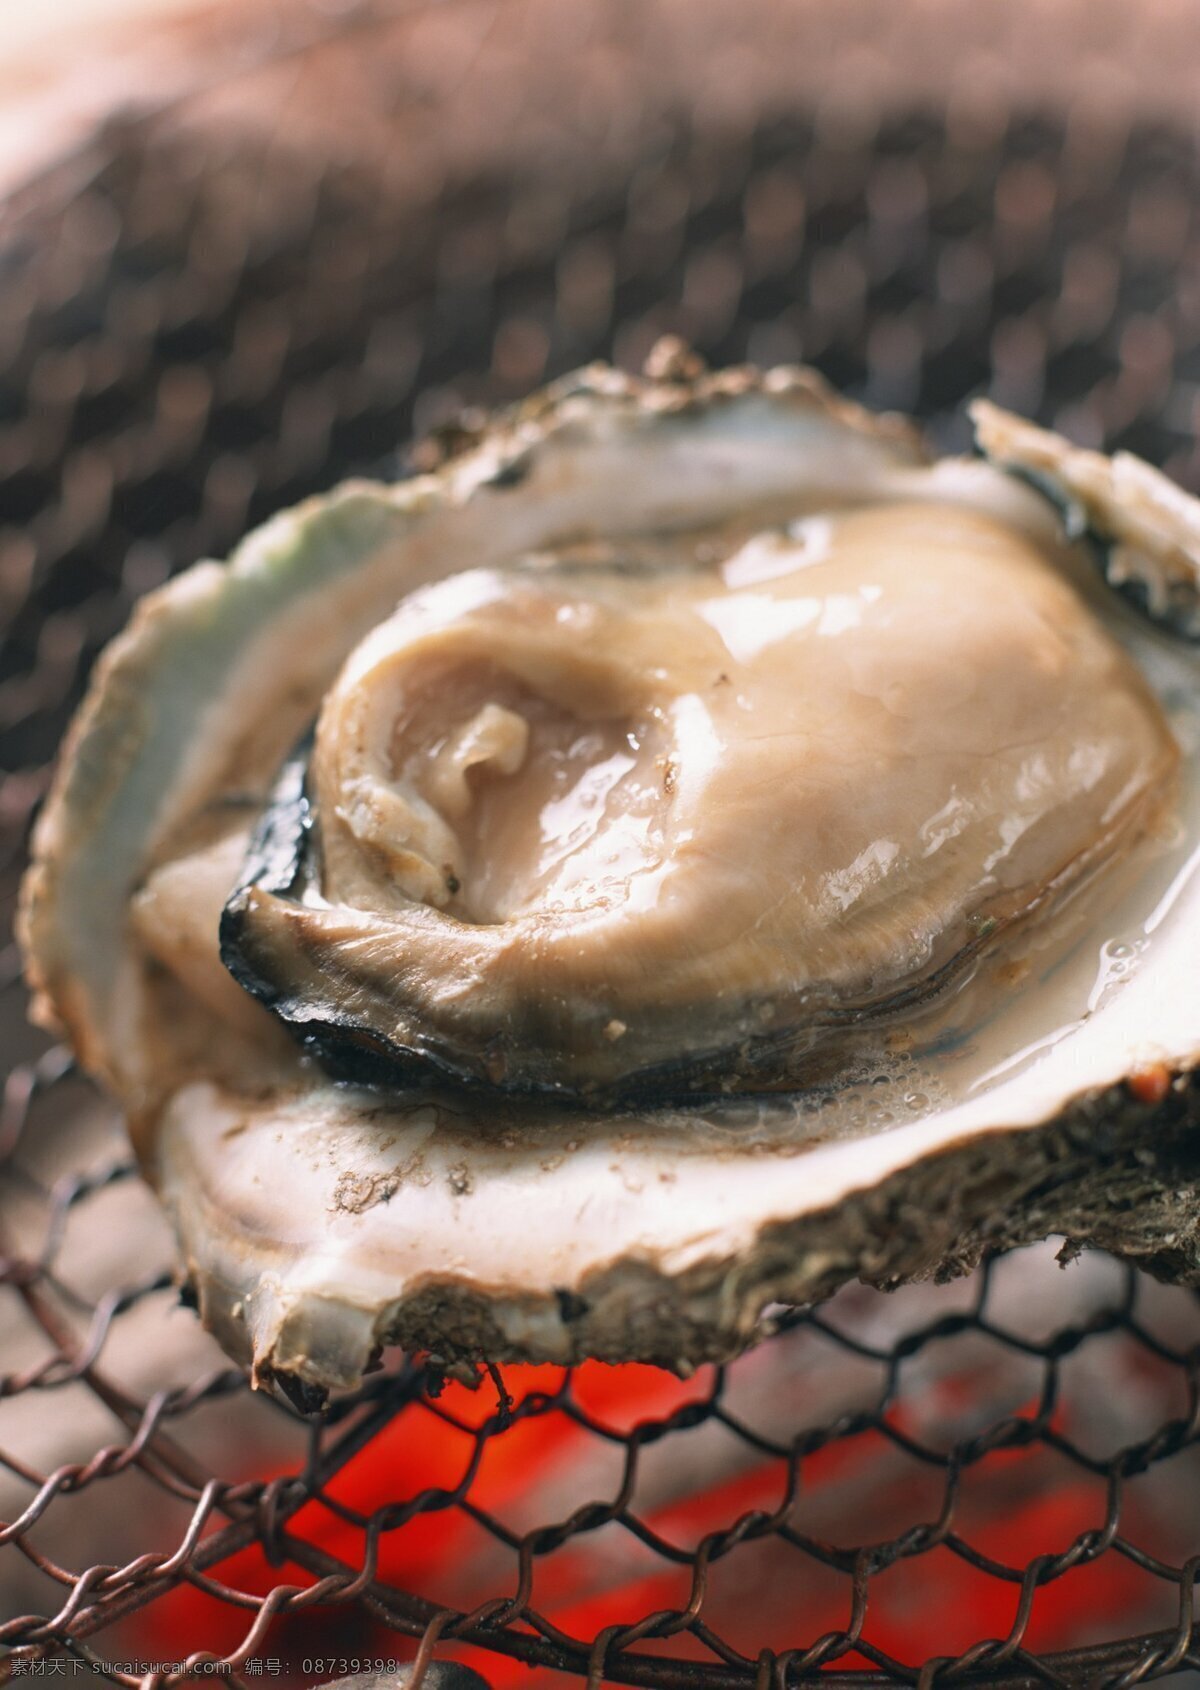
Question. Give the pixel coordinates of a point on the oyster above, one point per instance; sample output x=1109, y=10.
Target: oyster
x=685, y=851
x=638, y=830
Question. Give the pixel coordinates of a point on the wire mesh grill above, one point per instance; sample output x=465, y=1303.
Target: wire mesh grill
x=197, y=327
x=288, y=1555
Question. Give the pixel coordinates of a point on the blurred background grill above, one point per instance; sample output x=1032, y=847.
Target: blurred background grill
x=339, y=227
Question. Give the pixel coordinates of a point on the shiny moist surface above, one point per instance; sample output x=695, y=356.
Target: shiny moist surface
x=629, y=806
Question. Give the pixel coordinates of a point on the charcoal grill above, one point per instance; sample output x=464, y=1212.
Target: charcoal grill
x=214, y=307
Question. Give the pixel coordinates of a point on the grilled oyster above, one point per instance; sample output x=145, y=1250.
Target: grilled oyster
x=717, y=852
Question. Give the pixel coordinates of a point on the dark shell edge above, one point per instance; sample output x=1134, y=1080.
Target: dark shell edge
x=1112, y=1171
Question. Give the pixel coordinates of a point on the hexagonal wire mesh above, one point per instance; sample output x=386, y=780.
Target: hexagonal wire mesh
x=995, y=1482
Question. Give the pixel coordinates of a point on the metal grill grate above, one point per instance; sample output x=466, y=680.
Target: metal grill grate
x=942, y=1487
x=849, y=1419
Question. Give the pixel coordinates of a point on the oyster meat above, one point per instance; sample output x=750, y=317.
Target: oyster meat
x=685, y=851
x=648, y=830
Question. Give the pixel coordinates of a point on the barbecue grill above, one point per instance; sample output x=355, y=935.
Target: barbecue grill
x=339, y=228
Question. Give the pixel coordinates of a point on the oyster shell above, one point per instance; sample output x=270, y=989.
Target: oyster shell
x=750, y=856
